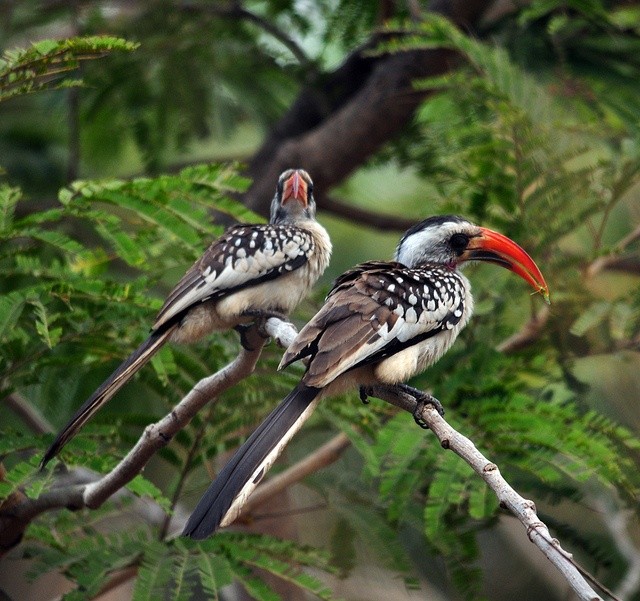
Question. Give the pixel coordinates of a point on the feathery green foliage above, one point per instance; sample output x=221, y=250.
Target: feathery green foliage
x=46, y=64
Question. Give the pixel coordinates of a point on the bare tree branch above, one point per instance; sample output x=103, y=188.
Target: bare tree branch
x=380, y=221
x=15, y=517
x=614, y=260
x=523, y=509
x=531, y=330
x=617, y=522
x=529, y=333
x=158, y=435
x=234, y=10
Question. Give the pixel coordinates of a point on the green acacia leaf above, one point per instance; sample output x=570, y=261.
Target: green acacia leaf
x=9, y=198
x=142, y=487
x=45, y=63
x=45, y=47
x=215, y=572
x=11, y=307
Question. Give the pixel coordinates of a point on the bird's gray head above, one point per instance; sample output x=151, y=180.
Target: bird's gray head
x=294, y=197
x=442, y=239
x=451, y=240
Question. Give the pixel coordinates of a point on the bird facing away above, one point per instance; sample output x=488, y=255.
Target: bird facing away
x=381, y=323
x=251, y=270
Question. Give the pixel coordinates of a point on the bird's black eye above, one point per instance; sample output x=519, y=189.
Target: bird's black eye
x=459, y=243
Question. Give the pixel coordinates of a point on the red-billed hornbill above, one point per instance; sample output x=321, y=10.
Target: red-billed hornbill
x=250, y=271
x=381, y=323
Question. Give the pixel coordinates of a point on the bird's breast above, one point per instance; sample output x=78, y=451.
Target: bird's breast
x=415, y=358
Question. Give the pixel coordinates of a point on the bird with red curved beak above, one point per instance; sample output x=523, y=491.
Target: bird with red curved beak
x=251, y=271
x=381, y=324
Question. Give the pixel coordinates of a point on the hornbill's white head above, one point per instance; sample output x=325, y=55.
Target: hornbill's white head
x=294, y=197
x=451, y=240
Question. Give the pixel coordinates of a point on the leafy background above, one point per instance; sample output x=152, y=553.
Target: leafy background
x=107, y=196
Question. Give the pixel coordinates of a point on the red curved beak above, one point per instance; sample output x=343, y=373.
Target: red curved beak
x=495, y=248
x=295, y=188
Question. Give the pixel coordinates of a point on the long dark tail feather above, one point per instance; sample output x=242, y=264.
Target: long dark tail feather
x=224, y=498
x=123, y=373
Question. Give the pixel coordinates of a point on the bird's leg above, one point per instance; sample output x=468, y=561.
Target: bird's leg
x=422, y=399
x=388, y=392
x=264, y=314
x=243, y=330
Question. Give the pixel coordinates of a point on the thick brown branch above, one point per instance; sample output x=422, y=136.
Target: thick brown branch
x=332, y=130
x=354, y=132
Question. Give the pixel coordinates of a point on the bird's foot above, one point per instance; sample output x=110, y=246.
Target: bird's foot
x=247, y=341
x=422, y=400
x=260, y=318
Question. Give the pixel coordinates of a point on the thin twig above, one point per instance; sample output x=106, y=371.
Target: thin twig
x=184, y=472
x=288, y=512
x=73, y=109
x=380, y=221
x=617, y=522
x=528, y=333
x=236, y=11
x=28, y=413
x=118, y=578
x=322, y=457
x=610, y=260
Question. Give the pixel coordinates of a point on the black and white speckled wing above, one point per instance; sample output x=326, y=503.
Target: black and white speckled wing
x=375, y=311
x=245, y=255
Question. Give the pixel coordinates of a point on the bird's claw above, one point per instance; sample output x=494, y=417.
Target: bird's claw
x=421, y=402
